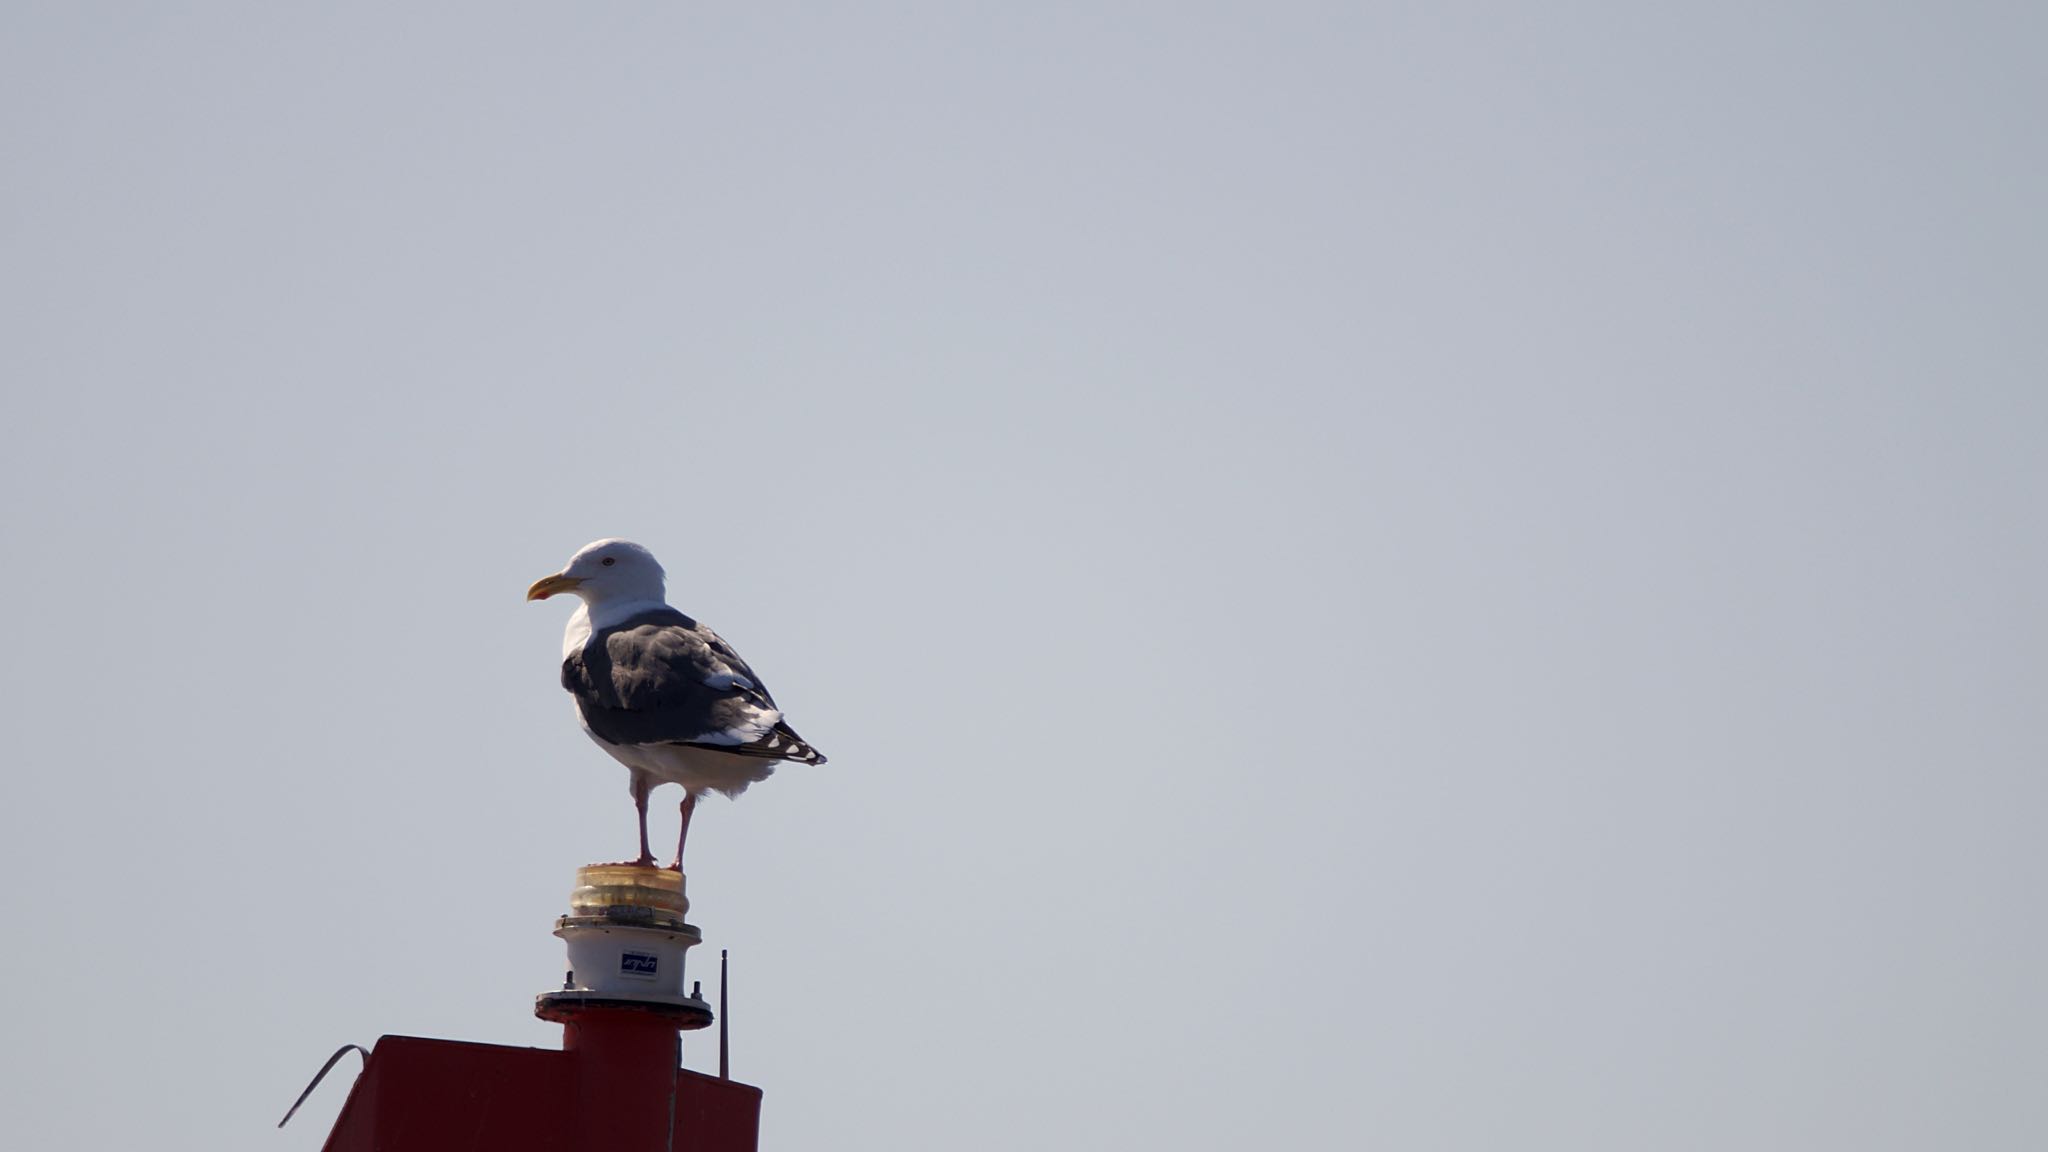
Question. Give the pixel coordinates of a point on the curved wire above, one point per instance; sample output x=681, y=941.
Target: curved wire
x=322, y=1075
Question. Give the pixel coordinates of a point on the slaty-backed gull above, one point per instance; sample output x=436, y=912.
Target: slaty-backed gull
x=662, y=693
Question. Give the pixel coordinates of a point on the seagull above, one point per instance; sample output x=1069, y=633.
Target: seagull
x=662, y=693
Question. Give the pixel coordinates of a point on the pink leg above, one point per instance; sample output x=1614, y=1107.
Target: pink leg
x=683, y=837
x=642, y=785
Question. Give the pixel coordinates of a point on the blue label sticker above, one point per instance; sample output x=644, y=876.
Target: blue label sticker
x=641, y=964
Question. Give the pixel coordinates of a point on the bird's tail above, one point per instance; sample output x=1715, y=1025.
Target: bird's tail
x=781, y=743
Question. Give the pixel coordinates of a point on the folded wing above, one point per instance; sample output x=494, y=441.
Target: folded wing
x=662, y=678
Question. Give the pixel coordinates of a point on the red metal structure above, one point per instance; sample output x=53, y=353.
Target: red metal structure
x=616, y=1085
x=615, y=1089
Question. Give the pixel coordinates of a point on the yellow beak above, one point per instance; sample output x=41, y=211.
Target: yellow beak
x=547, y=586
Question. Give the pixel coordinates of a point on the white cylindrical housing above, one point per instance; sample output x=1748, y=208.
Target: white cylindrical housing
x=627, y=941
x=624, y=961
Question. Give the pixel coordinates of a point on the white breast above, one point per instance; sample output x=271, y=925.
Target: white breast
x=578, y=631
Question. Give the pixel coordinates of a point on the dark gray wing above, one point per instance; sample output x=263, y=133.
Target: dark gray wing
x=662, y=678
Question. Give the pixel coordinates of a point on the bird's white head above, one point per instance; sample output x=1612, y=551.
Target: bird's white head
x=609, y=572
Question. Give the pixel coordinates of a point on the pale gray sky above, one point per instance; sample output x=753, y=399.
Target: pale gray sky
x=1426, y=576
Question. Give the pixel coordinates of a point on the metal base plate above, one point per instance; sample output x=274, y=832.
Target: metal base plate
x=687, y=1013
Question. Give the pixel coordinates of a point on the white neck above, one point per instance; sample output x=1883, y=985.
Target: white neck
x=587, y=620
x=606, y=613
x=578, y=632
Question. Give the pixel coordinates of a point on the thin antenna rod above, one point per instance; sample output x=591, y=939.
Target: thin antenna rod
x=724, y=1024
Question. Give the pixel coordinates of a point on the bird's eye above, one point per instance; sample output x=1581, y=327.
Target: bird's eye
x=608, y=561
